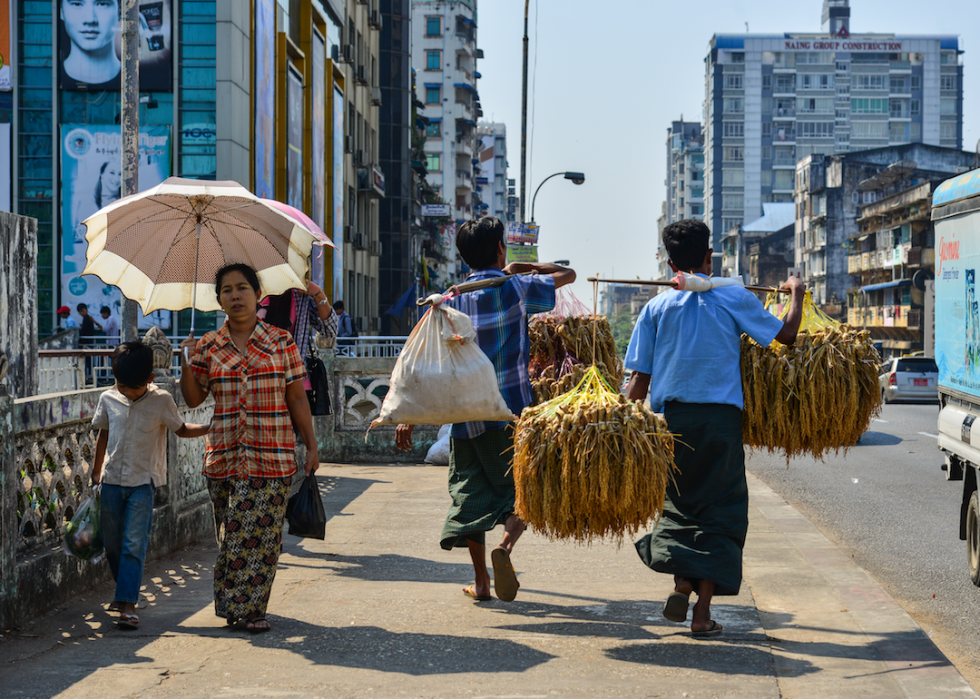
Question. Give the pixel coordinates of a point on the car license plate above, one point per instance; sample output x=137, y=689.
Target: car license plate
x=920, y=382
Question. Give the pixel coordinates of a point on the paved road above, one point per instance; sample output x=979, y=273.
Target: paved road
x=887, y=504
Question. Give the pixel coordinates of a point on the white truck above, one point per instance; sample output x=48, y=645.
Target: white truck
x=956, y=215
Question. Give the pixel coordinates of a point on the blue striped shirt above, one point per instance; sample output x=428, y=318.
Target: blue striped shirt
x=500, y=318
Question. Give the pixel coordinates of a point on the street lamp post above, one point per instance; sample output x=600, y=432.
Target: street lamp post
x=576, y=177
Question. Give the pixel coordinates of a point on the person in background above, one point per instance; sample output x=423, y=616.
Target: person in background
x=65, y=321
x=345, y=327
x=254, y=372
x=132, y=418
x=110, y=326
x=685, y=353
x=301, y=314
x=89, y=324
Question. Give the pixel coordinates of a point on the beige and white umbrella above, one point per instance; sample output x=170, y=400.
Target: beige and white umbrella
x=162, y=247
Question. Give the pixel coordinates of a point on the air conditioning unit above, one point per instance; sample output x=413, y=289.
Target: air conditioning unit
x=362, y=323
x=363, y=2
x=376, y=96
x=375, y=20
x=360, y=241
x=375, y=324
x=348, y=234
x=361, y=76
x=374, y=248
x=335, y=53
x=360, y=158
x=348, y=54
x=348, y=144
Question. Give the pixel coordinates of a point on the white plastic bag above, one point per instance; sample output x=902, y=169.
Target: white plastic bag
x=442, y=376
x=438, y=453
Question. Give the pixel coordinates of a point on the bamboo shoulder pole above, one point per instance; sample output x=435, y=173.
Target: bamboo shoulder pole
x=671, y=283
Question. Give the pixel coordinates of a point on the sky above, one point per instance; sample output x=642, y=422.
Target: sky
x=608, y=78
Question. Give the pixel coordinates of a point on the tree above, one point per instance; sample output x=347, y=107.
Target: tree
x=622, y=329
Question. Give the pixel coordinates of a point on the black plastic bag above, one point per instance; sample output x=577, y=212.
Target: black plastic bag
x=319, y=396
x=304, y=511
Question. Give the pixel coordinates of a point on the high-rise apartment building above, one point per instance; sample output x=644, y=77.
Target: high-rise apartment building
x=771, y=100
x=444, y=54
x=492, y=177
x=685, y=171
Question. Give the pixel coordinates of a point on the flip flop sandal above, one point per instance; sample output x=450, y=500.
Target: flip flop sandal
x=471, y=593
x=251, y=627
x=715, y=630
x=504, y=578
x=128, y=621
x=675, y=609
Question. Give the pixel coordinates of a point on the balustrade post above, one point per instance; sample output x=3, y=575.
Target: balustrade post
x=9, y=484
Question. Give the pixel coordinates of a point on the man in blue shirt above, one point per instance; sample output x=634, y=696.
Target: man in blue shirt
x=481, y=482
x=685, y=352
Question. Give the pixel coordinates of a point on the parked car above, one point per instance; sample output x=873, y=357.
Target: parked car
x=909, y=378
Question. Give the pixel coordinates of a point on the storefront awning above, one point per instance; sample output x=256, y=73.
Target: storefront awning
x=887, y=285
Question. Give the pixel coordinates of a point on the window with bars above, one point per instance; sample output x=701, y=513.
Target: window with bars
x=197, y=87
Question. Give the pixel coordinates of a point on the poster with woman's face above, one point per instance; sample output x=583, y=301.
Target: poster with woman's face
x=91, y=178
x=90, y=36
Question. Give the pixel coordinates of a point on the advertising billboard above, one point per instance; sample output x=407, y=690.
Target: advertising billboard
x=294, y=139
x=90, y=45
x=522, y=233
x=338, y=194
x=91, y=178
x=318, y=155
x=6, y=71
x=264, y=98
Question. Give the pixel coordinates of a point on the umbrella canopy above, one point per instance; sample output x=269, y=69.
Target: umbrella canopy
x=319, y=237
x=162, y=247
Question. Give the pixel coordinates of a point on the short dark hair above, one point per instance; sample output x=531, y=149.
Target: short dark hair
x=80, y=306
x=250, y=276
x=687, y=243
x=105, y=309
x=477, y=241
x=132, y=363
x=338, y=305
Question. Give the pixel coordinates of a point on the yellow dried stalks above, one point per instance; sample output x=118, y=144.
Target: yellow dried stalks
x=817, y=396
x=590, y=464
x=561, y=352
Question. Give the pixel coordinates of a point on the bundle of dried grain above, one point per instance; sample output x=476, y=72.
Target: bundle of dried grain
x=589, y=464
x=561, y=350
x=817, y=396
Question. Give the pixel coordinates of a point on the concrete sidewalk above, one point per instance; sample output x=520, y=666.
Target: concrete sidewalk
x=376, y=610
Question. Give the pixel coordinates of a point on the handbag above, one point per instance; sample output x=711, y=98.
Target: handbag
x=305, y=512
x=319, y=394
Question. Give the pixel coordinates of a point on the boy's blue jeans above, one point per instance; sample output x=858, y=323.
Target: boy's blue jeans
x=127, y=514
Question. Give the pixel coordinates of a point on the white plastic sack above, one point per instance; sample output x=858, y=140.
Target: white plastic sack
x=692, y=282
x=438, y=453
x=442, y=376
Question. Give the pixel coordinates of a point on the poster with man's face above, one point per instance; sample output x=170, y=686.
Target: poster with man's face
x=90, y=45
x=91, y=179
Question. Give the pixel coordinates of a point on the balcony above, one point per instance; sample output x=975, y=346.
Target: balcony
x=784, y=112
x=900, y=66
x=464, y=180
x=853, y=264
x=783, y=161
x=464, y=146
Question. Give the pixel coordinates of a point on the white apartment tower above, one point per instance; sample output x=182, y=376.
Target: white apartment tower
x=771, y=100
x=444, y=55
x=492, y=182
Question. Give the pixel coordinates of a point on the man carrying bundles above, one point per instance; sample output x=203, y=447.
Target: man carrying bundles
x=685, y=351
x=481, y=483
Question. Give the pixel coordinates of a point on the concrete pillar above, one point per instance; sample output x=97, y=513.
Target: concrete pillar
x=9, y=485
x=18, y=303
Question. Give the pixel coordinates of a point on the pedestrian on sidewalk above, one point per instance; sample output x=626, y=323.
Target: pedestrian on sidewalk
x=132, y=418
x=110, y=327
x=685, y=351
x=481, y=482
x=254, y=372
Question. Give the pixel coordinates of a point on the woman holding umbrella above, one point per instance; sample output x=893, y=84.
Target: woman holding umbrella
x=254, y=372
